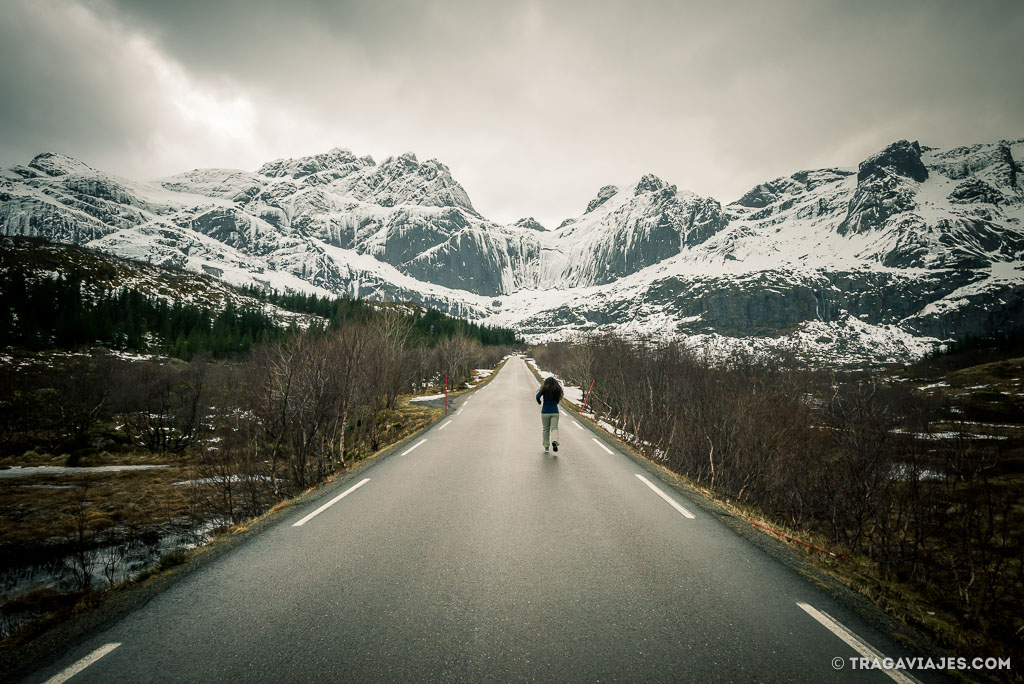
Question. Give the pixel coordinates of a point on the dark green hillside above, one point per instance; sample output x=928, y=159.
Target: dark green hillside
x=60, y=297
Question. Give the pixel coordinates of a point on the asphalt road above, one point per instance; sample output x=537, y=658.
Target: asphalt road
x=477, y=557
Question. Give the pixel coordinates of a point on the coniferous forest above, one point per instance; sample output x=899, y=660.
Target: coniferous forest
x=65, y=313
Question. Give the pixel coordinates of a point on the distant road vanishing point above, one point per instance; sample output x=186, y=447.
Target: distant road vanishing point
x=471, y=555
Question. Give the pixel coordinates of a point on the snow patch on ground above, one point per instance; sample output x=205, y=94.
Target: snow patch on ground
x=571, y=393
x=431, y=397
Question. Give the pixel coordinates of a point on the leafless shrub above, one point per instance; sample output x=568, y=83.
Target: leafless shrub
x=387, y=360
x=861, y=425
x=299, y=395
x=161, y=404
x=81, y=521
x=455, y=357
x=81, y=393
x=112, y=556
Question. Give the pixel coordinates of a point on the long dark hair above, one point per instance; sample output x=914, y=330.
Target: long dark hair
x=551, y=390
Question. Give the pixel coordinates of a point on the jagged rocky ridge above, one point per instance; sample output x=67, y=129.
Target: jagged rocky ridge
x=878, y=263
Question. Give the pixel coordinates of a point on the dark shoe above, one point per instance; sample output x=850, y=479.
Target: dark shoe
x=554, y=445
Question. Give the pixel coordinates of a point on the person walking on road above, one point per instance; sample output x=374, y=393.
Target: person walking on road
x=551, y=393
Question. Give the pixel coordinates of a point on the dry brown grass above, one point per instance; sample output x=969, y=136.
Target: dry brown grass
x=412, y=418
x=38, y=510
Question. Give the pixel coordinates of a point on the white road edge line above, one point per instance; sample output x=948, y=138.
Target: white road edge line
x=414, y=446
x=672, y=502
x=461, y=410
x=598, y=443
x=854, y=641
x=330, y=503
x=85, y=662
x=444, y=426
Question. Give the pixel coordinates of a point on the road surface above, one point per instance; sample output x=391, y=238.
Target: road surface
x=471, y=555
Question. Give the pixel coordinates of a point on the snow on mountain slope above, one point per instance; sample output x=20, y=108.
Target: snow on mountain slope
x=915, y=246
x=880, y=263
x=625, y=230
x=100, y=272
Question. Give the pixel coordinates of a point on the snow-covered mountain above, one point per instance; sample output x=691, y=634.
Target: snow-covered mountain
x=916, y=246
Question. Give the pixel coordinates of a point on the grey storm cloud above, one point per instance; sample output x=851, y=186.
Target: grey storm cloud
x=534, y=105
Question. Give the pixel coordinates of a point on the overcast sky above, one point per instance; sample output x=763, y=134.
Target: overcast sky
x=533, y=105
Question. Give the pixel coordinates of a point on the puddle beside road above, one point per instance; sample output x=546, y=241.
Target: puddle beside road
x=101, y=565
x=26, y=471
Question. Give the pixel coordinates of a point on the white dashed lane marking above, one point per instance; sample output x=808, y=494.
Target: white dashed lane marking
x=855, y=642
x=672, y=502
x=414, y=446
x=85, y=662
x=331, y=503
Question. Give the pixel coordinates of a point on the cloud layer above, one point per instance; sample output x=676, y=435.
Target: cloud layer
x=534, y=105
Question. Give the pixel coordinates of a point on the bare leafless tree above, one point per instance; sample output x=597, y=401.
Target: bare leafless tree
x=161, y=403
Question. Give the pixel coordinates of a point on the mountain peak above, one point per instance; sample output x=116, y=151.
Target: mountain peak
x=403, y=163
x=902, y=158
x=603, y=195
x=53, y=164
x=339, y=159
x=530, y=223
x=649, y=183
x=404, y=179
x=408, y=163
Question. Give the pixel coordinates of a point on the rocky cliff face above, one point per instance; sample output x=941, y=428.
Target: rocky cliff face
x=961, y=228
x=625, y=230
x=914, y=246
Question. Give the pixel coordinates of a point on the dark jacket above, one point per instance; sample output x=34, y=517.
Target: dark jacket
x=548, y=406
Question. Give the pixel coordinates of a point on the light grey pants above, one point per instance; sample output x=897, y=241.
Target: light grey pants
x=549, y=423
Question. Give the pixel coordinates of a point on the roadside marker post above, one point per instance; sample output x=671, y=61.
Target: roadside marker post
x=587, y=400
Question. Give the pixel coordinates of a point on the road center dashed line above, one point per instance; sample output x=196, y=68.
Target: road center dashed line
x=598, y=443
x=574, y=423
x=85, y=662
x=444, y=426
x=854, y=641
x=330, y=503
x=672, y=502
